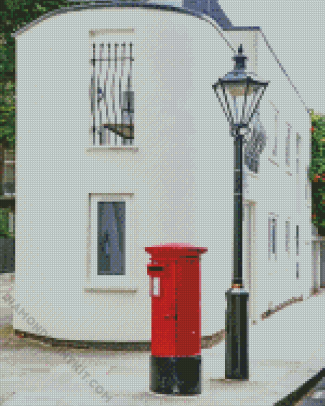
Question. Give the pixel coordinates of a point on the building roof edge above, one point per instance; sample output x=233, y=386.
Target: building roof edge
x=283, y=70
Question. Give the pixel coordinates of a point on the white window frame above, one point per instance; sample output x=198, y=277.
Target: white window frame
x=298, y=143
x=288, y=146
x=276, y=133
x=109, y=281
x=276, y=113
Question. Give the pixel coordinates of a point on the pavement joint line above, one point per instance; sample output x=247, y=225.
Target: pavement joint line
x=288, y=373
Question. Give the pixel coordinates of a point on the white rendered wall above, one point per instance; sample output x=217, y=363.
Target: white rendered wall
x=276, y=189
x=180, y=179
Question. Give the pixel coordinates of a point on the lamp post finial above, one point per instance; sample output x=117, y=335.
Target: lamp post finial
x=240, y=59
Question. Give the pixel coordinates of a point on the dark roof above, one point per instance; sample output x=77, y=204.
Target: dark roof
x=211, y=8
x=198, y=8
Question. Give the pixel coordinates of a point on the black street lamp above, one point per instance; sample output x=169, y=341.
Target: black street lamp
x=242, y=92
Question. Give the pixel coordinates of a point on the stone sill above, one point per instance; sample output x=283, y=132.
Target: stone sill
x=117, y=289
x=112, y=148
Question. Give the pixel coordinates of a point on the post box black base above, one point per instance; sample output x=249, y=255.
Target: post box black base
x=176, y=375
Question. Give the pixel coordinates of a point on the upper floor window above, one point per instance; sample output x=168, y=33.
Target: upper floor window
x=276, y=129
x=298, y=140
x=111, y=89
x=288, y=146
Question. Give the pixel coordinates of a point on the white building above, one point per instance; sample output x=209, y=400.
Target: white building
x=162, y=152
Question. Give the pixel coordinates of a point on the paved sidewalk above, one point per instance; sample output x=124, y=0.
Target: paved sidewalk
x=285, y=350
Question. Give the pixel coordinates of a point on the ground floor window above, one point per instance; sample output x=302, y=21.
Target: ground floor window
x=272, y=237
x=287, y=236
x=111, y=238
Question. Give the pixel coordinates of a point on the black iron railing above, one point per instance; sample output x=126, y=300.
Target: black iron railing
x=111, y=94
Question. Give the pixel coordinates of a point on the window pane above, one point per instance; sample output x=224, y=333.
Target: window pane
x=111, y=238
x=275, y=149
x=273, y=236
x=288, y=148
x=287, y=241
x=269, y=237
x=298, y=139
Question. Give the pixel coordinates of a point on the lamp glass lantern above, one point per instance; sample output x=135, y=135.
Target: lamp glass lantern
x=239, y=93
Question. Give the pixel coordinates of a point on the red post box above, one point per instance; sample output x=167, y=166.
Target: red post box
x=175, y=289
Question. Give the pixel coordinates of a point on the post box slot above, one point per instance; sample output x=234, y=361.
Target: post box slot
x=156, y=268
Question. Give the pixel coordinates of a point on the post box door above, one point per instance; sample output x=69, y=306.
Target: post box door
x=163, y=313
x=188, y=306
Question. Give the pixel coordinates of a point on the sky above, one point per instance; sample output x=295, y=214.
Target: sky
x=295, y=31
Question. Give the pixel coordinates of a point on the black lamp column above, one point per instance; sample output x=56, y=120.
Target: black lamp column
x=242, y=93
x=237, y=296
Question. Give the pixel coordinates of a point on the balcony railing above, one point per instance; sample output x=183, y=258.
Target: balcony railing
x=111, y=93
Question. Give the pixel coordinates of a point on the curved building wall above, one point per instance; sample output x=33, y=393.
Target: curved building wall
x=176, y=178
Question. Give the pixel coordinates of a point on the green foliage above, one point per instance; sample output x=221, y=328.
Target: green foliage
x=317, y=166
x=13, y=16
x=7, y=115
x=4, y=223
x=317, y=172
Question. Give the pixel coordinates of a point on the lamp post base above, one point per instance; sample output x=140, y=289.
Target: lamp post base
x=237, y=362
